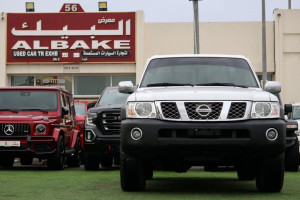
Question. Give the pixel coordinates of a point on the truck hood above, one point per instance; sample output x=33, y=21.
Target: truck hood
x=200, y=93
x=22, y=117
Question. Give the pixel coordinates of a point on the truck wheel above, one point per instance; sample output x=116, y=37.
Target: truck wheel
x=292, y=157
x=26, y=160
x=270, y=174
x=57, y=160
x=90, y=162
x=75, y=160
x=132, y=173
x=107, y=161
x=148, y=170
x=117, y=159
x=210, y=168
x=7, y=162
x=246, y=172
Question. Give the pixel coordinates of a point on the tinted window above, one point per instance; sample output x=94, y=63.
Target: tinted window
x=28, y=100
x=80, y=109
x=199, y=70
x=112, y=96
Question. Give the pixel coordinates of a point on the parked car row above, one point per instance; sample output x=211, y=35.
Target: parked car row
x=226, y=121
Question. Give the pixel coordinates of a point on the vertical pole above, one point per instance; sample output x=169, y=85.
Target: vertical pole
x=264, y=60
x=290, y=4
x=196, y=27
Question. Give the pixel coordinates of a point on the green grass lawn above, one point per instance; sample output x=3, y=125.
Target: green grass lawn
x=76, y=183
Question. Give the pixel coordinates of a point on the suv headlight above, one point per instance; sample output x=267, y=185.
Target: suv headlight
x=89, y=119
x=141, y=110
x=265, y=110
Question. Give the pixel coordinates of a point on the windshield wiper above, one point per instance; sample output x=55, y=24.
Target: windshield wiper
x=34, y=109
x=220, y=84
x=4, y=109
x=168, y=84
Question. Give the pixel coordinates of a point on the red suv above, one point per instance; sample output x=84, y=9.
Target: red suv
x=38, y=122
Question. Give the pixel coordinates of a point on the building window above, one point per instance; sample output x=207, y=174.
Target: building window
x=22, y=81
x=117, y=79
x=269, y=78
x=90, y=85
x=56, y=81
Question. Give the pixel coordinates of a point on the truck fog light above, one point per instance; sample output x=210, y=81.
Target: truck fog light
x=272, y=134
x=136, y=133
x=89, y=135
x=40, y=129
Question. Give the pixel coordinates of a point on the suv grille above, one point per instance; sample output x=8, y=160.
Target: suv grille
x=204, y=111
x=110, y=123
x=237, y=110
x=193, y=110
x=17, y=130
x=169, y=110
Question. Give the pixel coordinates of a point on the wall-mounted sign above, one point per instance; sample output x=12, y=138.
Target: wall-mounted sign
x=70, y=37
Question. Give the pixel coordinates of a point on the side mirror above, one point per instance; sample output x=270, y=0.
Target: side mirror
x=288, y=108
x=90, y=105
x=126, y=87
x=64, y=111
x=273, y=87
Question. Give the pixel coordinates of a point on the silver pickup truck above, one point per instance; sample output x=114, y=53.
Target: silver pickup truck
x=202, y=110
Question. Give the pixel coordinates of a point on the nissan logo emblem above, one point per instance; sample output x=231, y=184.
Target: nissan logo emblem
x=204, y=110
x=9, y=129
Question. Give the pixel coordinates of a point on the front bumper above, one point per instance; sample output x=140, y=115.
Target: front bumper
x=203, y=140
x=101, y=144
x=36, y=145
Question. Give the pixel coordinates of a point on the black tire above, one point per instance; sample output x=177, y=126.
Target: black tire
x=75, y=160
x=132, y=173
x=26, y=160
x=148, y=170
x=107, y=161
x=7, y=162
x=210, y=168
x=90, y=162
x=117, y=159
x=270, y=174
x=246, y=171
x=57, y=160
x=292, y=160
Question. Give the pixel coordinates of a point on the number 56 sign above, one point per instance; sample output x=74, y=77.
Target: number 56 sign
x=71, y=7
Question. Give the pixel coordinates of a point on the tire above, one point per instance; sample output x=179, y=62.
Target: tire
x=91, y=163
x=246, y=172
x=7, y=162
x=57, y=160
x=270, y=174
x=75, y=160
x=132, y=173
x=117, y=159
x=107, y=161
x=210, y=168
x=148, y=170
x=26, y=160
x=292, y=160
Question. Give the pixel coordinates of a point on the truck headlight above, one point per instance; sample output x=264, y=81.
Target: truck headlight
x=265, y=110
x=141, y=110
x=89, y=119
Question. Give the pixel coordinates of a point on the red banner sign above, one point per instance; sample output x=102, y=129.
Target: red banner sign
x=70, y=37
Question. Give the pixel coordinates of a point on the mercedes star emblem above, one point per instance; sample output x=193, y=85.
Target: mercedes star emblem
x=9, y=129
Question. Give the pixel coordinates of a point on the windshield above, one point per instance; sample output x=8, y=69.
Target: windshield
x=80, y=109
x=199, y=71
x=296, y=112
x=112, y=96
x=28, y=100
